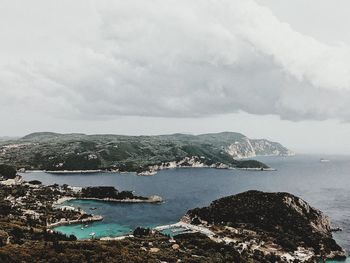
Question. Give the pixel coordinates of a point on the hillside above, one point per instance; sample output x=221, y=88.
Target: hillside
x=270, y=222
x=54, y=151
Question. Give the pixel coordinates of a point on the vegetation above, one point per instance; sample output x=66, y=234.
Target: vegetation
x=140, y=232
x=102, y=192
x=193, y=248
x=247, y=164
x=52, y=151
x=7, y=171
x=282, y=218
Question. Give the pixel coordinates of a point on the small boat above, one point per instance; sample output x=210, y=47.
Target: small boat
x=82, y=228
x=92, y=234
x=86, y=225
x=93, y=208
x=324, y=160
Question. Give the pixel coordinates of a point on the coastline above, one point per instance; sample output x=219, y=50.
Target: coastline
x=148, y=172
x=187, y=162
x=153, y=171
x=266, y=155
x=64, y=222
x=94, y=218
x=151, y=199
x=73, y=171
x=63, y=199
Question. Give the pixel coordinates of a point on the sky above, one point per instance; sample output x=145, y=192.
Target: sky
x=267, y=68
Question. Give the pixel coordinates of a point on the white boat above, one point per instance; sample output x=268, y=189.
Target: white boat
x=92, y=234
x=324, y=160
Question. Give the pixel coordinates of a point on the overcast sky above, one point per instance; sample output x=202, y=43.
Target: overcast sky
x=266, y=68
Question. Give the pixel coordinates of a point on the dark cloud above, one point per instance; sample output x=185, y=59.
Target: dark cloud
x=178, y=59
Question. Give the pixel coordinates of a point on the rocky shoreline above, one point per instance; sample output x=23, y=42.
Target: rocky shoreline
x=151, y=199
x=41, y=205
x=73, y=171
x=79, y=195
x=269, y=223
x=197, y=162
x=64, y=222
x=193, y=162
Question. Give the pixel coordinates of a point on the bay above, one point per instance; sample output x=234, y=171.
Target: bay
x=325, y=185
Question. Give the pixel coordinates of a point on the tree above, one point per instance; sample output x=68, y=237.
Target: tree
x=8, y=171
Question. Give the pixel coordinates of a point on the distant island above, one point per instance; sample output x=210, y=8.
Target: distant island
x=145, y=155
x=252, y=226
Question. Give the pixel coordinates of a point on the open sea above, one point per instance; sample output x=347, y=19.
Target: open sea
x=325, y=185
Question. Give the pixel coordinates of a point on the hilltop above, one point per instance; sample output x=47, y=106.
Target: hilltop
x=143, y=154
x=270, y=223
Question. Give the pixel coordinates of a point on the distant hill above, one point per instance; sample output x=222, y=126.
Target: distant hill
x=54, y=151
x=7, y=138
x=49, y=135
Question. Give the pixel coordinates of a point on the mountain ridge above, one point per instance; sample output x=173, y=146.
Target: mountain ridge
x=77, y=151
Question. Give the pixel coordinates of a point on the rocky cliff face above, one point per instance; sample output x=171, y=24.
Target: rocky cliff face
x=265, y=147
x=241, y=149
x=278, y=223
x=246, y=148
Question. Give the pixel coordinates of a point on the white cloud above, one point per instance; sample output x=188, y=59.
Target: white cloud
x=166, y=58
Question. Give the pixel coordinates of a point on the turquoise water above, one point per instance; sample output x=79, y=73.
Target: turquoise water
x=101, y=229
x=113, y=213
x=326, y=186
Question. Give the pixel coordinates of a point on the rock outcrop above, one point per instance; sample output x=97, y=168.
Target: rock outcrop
x=246, y=148
x=266, y=223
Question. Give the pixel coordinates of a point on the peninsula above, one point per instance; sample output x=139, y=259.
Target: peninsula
x=41, y=205
x=145, y=155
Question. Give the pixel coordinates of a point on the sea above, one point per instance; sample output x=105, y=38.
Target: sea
x=325, y=185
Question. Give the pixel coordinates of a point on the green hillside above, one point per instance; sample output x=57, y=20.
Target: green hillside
x=53, y=151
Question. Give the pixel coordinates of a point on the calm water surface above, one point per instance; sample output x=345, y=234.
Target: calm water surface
x=326, y=186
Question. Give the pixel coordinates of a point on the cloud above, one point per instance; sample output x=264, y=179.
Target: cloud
x=172, y=59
